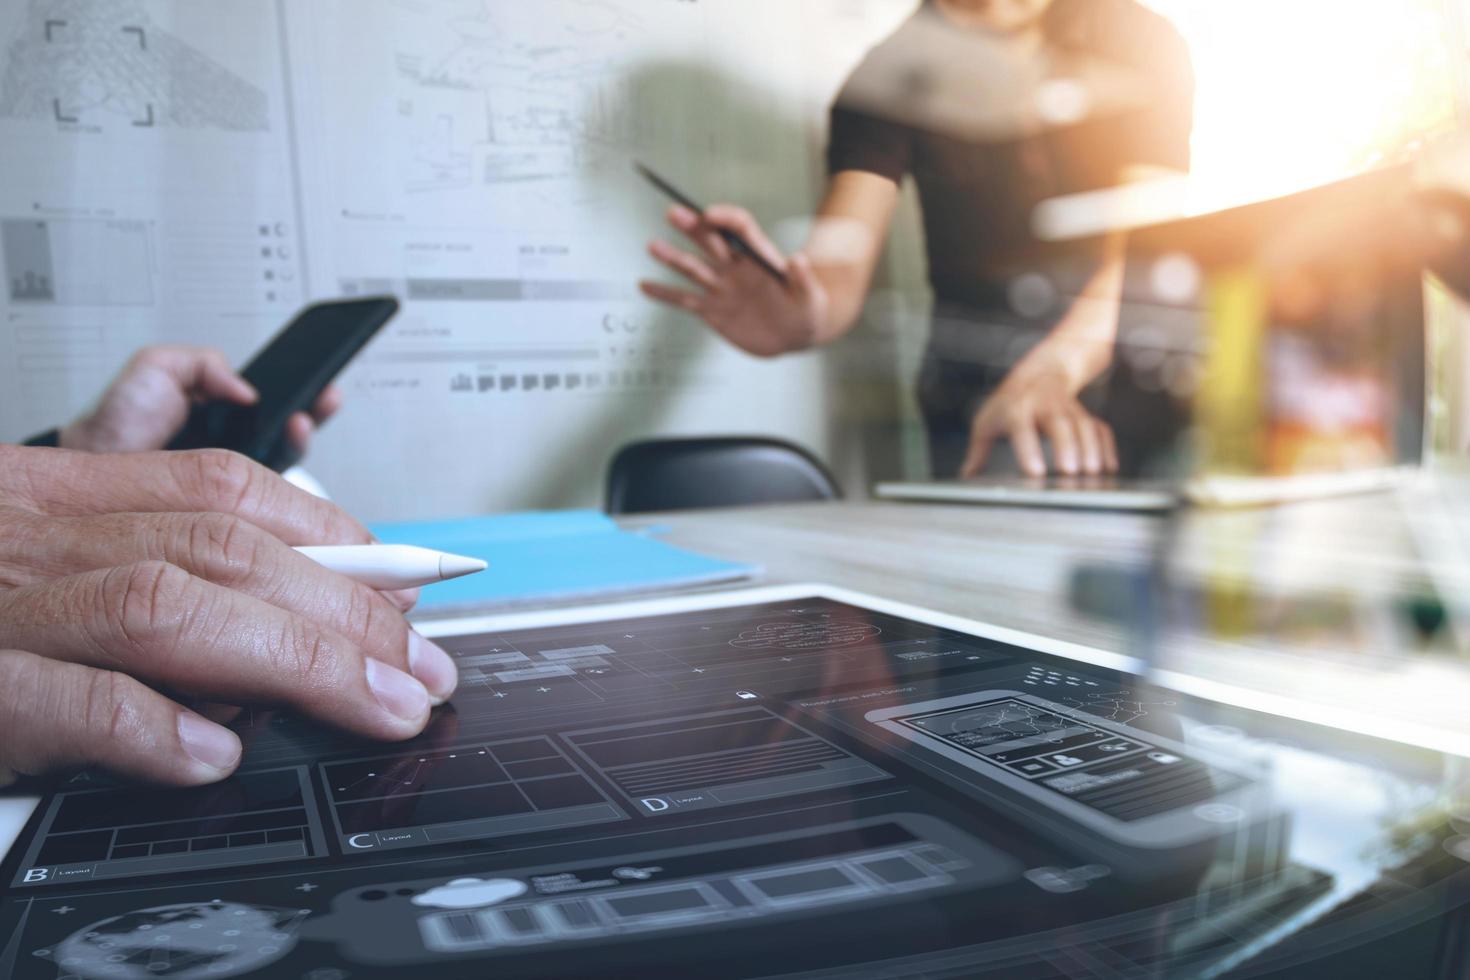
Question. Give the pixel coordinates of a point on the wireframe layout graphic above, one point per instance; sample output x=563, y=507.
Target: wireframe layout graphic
x=256, y=817
x=693, y=763
x=90, y=61
x=1041, y=744
x=778, y=647
x=384, y=920
x=837, y=867
x=678, y=787
x=484, y=792
x=1142, y=790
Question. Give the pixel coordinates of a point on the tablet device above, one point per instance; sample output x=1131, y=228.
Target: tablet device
x=1056, y=490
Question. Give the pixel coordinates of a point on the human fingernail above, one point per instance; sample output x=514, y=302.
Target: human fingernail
x=216, y=747
x=397, y=692
x=433, y=667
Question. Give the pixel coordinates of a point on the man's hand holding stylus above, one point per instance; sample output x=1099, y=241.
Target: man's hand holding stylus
x=136, y=587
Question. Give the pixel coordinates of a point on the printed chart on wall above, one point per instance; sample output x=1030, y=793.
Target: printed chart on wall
x=767, y=781
x=147, y=190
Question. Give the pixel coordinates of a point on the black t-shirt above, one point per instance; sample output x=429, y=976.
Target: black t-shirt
x=966, y=119
x=946, y=105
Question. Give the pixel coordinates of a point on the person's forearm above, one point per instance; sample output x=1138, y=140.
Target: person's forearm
x=847, y=293
x=846, y=243
x=1081, y=344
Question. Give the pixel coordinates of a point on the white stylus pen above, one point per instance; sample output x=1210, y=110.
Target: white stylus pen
x=392, y=566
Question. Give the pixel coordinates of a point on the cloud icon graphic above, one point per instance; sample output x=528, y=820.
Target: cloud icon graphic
x=470, y=893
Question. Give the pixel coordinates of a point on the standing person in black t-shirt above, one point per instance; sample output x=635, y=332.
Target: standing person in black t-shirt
x=979, y=101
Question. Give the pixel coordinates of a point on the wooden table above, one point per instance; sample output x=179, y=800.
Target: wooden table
x=1302, y=610
x=1008, y=566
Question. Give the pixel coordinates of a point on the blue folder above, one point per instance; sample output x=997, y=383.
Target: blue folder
x=554, y=556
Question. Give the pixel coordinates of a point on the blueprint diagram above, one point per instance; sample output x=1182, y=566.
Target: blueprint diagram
x=540, y=88
x=86, y=61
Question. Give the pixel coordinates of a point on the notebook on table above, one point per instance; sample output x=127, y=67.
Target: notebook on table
x=555, y=556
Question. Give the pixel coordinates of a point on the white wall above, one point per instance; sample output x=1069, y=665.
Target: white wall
x=253, y=155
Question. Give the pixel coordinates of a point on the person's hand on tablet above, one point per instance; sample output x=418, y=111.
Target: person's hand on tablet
x=134, y=586
x=146, y=404
x=1033, y=404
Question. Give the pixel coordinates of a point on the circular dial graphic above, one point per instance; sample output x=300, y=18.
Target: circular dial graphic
x=190, y=941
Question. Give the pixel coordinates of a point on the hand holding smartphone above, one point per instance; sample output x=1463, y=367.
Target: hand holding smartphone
x=289, y=373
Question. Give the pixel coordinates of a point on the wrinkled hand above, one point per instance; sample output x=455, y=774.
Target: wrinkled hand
x=132, y=585
x=149, y=400
x=1035, y=403
x=742, y=302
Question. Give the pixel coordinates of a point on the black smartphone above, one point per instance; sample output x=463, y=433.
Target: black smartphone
x=289, y=373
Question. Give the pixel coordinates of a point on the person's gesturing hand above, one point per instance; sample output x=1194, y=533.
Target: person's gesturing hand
x=147, y=403
x=1033, y=403
x=133, y=585
x=742, y=302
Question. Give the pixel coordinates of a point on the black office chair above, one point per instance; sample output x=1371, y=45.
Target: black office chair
x=683, y=474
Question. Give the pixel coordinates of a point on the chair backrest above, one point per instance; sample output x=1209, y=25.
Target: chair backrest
x=683, y=474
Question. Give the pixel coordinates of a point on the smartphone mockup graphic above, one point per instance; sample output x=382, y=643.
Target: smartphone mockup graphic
x=1132, y=788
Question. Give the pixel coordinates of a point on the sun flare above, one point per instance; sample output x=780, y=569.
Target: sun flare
x=1293, y=93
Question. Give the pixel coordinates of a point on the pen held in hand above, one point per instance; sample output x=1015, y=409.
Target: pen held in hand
x=392, y=566
x=736, y=243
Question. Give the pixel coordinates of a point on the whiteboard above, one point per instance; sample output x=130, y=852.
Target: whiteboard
x=196, y=170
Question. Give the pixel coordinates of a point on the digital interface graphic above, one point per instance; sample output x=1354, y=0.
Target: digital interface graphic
x=480, y=791
x=669, y=791
x=1118, y=776
x=252, y=818
x=717, y=760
